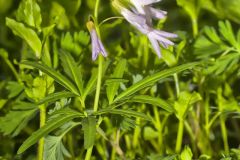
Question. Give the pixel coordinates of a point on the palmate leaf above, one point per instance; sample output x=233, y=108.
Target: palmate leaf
x=150, y=80
x=71, y=69
x=53, y=145
x=55, y=75
x=54, y=148
x=89, y=128
x=56, y=96
x=153, y=101
x=29, y=35
x=57, y=121
x=122, y=112
x=118, y=73
x=15, y=120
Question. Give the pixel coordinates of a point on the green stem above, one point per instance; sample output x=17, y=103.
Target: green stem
x=179, y=136
x=99, y=82
x=224, y=134
x=195, y=26
x=89, y=153
x=10, y=65
x=206, y=108
x=158, y=126
x=176, y=83
x=42, y=109
x=96, y=10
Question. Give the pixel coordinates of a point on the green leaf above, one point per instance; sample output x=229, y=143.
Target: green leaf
x=153, y=101
x=14, y=89
x=89, y=128
x=93, y=80
x=150, y=80
x=3, y=53
x=30, y=13
x=15, y=120
x=55, y=75
x=118, y=73
x=48, y=127
x=191, y=7
x=68, y=43
x=82, y=37
x=227, y=9
x=55, y=96
x=91, y=84
x=123, y=112
x=186, y=154
x=2, y=103
x=227, y=32
x=53, y=145
x=149, y=133
x=71, y=69
x=185, y=102
x=29, y=35
x=54, y=148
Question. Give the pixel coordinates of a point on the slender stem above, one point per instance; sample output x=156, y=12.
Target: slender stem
x=158, y=125
x=10, y=65
x=89, y=153
x=176, y=83
x=108, y=19
x=179, y=136
x=42, y=123
x=99, y=80
x=195, y=26
x=96, y=10
x=224, y=134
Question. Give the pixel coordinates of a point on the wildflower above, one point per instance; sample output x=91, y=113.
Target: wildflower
x=97, y=46
x=142, y=23
x=143, y=7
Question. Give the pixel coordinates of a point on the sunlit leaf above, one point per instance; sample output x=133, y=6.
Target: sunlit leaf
x=55, y=75
x=150, y=80
x=71, y=69
x=30, y=13
x=29, y=35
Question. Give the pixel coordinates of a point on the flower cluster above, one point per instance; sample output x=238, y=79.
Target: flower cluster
x=140, y=15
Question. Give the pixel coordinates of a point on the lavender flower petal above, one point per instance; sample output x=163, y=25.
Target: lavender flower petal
x=144, y=2
x=155, y=46
x=97, y=46
x=157, y=13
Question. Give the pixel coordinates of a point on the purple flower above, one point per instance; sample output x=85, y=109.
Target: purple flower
x=97, y=46
x=143, y=7
x=143, y=23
